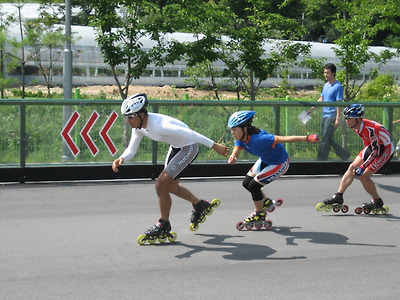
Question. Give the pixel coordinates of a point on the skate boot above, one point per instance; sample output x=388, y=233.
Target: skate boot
x=375, y=205
x=335, y=202
x=269, y=204
x=200, y=211
x=160, y=231
x=256, y=219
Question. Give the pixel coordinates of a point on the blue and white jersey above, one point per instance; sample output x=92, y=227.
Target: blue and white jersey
x=263, y=145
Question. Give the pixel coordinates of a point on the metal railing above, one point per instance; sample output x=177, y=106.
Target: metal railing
x=31, y=131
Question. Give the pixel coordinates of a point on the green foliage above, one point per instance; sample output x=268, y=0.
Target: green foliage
x=381, y=87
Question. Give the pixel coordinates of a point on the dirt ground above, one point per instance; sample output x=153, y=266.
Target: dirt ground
x=159, y=92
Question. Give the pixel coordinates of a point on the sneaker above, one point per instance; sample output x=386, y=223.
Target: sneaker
x=198, y=210
x=335, y=199
x=255, y=216
x=159, y=228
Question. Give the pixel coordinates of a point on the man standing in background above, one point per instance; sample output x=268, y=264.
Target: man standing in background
x=332, y=92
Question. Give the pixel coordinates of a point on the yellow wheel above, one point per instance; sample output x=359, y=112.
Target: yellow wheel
x=141, y=240
x=320, y=207
x=152, y=240
x=216, y=202
x=210, y=211
x=194, y=227
x=376, y=211
x=328, y=208
x=385, y=210
x=204, y=219
x=172, y=239
x=162, y=239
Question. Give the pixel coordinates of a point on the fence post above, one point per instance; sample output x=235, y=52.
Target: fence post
x=277, y=109
x=287, y=124
x=154, y=143
x=23, y=141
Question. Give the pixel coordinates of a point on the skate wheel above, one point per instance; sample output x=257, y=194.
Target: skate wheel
x=141, y=239
x=152, y=240
x=384, y=210
x=376, y=211
x=194, y=227
x=328, y=208
x=268, y=224
x=203, y=220
x=367, y=211
x=320, y=207
x=278, y=202
x=358, y=210
x=258, y=226
x=271, y=209
x=215, y=203
x=162, y=239
x=240, y=226
x=210, y=211
x=249, y=226
x=345, y=209
x=173, y=237
x=336, y=208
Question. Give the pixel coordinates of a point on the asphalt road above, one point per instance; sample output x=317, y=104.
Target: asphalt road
x=78, y=241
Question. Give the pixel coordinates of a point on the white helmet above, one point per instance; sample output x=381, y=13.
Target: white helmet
x=134, y=103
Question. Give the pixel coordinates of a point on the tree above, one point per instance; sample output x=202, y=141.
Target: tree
x=46, y=41
x=18, y=53
x=359, y=23
x=5, y=66
x=121, y=26
x=244, y=34
x=354, y=26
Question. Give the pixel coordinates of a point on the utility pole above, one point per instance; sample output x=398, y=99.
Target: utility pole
x=67, y=72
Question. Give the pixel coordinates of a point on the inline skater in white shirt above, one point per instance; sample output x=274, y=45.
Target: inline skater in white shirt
x=182, y=151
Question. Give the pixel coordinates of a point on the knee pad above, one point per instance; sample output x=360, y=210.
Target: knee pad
x=246, y=182
x=255, y=189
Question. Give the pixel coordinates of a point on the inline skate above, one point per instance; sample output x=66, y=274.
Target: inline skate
x=375, y=206
x=158, y=232
x=334, y=203
x=255, y=220
x=269, y=204
x=200, y=211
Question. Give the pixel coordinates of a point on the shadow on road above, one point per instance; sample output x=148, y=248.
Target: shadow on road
x=327, y=238
x=234, y=251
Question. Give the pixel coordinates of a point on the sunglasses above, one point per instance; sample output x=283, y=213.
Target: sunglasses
x=130, y=116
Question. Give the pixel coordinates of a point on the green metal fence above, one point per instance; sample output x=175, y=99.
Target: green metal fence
x=30, y=130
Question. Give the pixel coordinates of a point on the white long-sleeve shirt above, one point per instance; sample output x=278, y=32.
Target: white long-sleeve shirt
x=162, y=128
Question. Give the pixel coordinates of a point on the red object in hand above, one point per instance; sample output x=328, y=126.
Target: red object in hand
x=312, y=138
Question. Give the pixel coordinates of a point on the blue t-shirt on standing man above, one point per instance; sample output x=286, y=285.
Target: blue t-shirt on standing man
x=331, y=93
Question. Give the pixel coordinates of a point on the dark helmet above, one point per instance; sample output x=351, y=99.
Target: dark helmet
x=241, y=118
x=354, y=111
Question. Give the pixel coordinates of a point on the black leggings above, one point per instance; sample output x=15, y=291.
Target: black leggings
x=253, y=187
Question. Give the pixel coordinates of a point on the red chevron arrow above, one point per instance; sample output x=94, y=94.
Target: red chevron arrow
x=85, y=133
x=66, y=130
x=104, y=133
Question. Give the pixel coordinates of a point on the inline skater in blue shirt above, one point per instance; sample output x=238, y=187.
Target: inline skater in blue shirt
x=273, y=159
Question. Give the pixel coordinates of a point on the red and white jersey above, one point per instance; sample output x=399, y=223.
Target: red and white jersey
x=377, y=143
x=373, y=132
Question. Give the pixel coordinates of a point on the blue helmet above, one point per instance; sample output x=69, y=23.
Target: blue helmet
x=354, y=111
x=241, y=118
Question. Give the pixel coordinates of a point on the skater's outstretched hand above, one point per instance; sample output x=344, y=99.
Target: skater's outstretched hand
x=221, y=149
x=312, y=138
x=116, y=163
